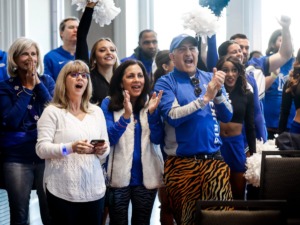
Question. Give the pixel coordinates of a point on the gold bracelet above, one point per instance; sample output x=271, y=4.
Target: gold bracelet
x=274, y=76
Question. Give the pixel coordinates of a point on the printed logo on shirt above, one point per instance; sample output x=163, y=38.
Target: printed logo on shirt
x=2, y=64
x=216, y=125
x=61, y=62
x=281, y=81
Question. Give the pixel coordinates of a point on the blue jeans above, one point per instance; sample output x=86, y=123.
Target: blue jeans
x=19, y=180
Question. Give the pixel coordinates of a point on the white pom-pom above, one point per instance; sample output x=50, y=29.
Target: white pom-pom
x=202, y=21
x=253, y=163
x=104, y=12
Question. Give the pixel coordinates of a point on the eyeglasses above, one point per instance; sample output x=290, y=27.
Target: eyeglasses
x=76, y=75
x=196, y=82
x=184, y=49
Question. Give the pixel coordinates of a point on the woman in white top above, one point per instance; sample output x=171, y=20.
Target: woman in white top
x=73, y=177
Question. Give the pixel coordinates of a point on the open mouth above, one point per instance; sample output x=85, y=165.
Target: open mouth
x=230, y=80
x=188, y=61
x=79, y=86
x=136, y=87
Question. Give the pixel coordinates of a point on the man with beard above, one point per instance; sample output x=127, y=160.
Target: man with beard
x=146, y=50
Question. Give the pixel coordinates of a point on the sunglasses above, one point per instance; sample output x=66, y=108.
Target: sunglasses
x=76, y=75
x=197, y=90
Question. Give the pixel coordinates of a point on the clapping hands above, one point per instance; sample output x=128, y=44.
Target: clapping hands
x=215, y=84
x=154, y=101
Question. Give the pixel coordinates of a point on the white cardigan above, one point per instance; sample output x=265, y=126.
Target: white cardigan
x=72, y=177
x=122, y=155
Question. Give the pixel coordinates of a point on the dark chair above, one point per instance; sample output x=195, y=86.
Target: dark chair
x=251, y=212
x=280, y=179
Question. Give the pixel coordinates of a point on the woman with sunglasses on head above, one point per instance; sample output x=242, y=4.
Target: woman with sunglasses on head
x=22, y=100
x=135, y=164
x=67, y=130
x=242, y=102
x=103, y=58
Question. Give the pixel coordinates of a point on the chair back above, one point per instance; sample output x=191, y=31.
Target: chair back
x=243, y=212
x=280, y=178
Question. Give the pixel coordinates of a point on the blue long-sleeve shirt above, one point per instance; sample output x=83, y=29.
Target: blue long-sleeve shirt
x=190, y=130
x=212, y=53
x=19, y=111
x=259, y=120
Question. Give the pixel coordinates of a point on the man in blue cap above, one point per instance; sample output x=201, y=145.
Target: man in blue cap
x=192, y=104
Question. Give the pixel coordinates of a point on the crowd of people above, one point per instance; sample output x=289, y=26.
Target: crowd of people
x=93, y=132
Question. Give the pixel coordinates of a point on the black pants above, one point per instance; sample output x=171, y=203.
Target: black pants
x=75, y=213
x=142, y=201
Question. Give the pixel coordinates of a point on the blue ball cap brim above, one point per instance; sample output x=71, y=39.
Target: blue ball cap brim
x=179, y=39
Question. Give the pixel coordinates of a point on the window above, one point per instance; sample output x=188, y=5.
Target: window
x=168, y=21
x=272, y=11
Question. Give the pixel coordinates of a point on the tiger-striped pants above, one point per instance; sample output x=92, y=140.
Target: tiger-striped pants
x=142, y=201
x=188, y=180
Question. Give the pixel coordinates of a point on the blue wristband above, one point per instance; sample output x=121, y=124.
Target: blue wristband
x=64, y=150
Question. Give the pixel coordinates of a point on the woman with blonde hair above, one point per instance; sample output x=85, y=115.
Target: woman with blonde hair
x=103, y=58
x=72, y=138
x=22, y=101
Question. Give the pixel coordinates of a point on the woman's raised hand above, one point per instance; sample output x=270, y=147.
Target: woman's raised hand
x=154, y=101
x=127, y=105
x=32, y=77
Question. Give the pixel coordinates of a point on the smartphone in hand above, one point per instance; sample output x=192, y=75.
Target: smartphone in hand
x=97, y=142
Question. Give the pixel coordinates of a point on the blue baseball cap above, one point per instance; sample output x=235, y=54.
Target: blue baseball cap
x=179, y=39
